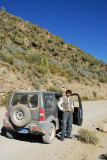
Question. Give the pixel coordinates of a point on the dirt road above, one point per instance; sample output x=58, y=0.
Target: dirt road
x=27, y=147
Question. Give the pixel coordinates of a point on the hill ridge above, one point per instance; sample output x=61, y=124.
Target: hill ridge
x=38, y=54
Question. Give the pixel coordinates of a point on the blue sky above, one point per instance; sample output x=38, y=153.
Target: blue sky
x=80, y=22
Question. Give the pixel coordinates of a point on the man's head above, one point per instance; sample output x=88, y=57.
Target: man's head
x=68, y=93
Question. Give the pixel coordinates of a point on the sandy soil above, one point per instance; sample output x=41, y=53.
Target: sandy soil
x=11, y=79
x=27, y=147
x=84, y=88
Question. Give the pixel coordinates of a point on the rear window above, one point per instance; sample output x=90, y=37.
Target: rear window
x=30, y=100
x=49, y=101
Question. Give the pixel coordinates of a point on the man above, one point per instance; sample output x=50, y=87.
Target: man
x=66, y=106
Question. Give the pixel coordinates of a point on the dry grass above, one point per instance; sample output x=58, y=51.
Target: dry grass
x=87, y=136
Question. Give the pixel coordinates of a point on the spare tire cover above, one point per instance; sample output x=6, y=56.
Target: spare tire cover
x=20, y=115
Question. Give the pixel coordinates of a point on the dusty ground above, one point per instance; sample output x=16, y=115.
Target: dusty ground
x=27, y=147
x=83, y=151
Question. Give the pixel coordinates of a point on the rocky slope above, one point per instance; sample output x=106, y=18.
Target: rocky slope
x=33, y=58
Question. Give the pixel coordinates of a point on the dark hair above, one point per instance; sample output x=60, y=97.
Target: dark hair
x=68, y=91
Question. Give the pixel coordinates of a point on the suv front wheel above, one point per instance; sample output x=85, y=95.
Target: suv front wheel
x=50, y=135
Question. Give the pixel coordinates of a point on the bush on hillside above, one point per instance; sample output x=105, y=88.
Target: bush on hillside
x=85, y=98
x=103, y=79
x=69, y=47
x=5, y=56
x=95, y=94
x=55, y=69
x=2, y=35
x=19, y=40
x=12, y=36
x=5, y=100
x=36, y=44
x=55, y=89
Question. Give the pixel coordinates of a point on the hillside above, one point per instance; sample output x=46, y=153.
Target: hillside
x=41, y=57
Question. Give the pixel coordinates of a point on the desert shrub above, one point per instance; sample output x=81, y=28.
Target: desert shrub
x=103, y=156
x=32, y=58
x=87, y=136
x=55, y=69
x=77, y=78
x=92, y=60
x=95, y=94
x=41, y=69
x=56, y=42
x=19, y=64
x=2, y=9
x=19, y=40
x=69, y=47
x=61, y=40
x=19, y=55
x=52, y=61
x=54, y=89
x=5, y=100
x=11, y=48
x=55, y=53
x=36, y=43
x=19, y=34
x=102, y=63
x=66, y=65
x=2, y=35
x=50, y=40
x=102, y=79
x=12, y=36
x=80, y=50
x=5, y=56
x=85, y=98
x=84, y=57
x=19, y=19
x=51, y=47
x=8, y=28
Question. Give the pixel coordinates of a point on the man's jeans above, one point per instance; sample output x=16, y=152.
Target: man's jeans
x=66, y=124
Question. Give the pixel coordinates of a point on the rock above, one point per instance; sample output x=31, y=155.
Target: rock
x=103, y=127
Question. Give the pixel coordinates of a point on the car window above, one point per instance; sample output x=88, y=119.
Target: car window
x=49, y=101
x=30, y=100
x=58, y=97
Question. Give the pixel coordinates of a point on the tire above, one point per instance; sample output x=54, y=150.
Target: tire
x=10, y=134
x=20, y=115
x=50, y=136
x=3, y=131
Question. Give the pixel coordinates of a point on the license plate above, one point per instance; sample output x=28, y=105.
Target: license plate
x=23, y=130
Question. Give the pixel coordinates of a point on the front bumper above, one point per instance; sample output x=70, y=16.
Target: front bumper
x=41, y=128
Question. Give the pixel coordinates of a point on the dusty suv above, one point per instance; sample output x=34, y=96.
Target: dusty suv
x=36, y=112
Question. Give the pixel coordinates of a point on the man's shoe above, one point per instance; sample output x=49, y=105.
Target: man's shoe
x=62, y=139
x=69, y=137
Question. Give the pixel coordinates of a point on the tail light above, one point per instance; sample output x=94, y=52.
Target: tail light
x=6, y=114
x=42, y=115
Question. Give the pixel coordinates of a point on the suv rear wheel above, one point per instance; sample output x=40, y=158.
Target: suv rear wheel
x=49, y=137
x=10, y=134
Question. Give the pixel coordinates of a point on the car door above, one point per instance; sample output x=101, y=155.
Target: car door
x=78, y=111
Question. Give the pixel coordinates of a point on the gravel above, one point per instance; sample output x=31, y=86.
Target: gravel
x=28, y=147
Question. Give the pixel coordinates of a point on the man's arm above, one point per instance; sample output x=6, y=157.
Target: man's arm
x=60, y=105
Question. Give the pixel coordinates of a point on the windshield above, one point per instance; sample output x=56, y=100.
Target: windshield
x=30, y=100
